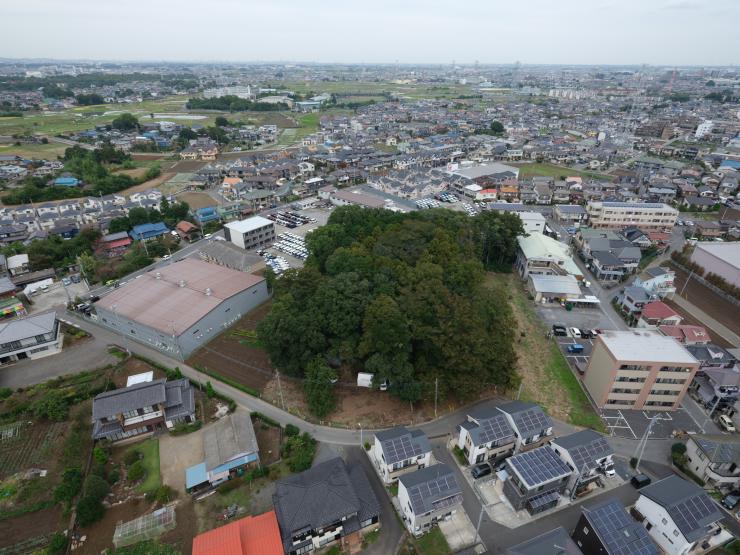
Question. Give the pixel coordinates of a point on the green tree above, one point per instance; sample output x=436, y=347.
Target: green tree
x=319, y=388
x=89, y=511
x=497, y=127
x=69, y=486
x=711, y=83
x=125, y=122
x=221, y=121
x=96, y=487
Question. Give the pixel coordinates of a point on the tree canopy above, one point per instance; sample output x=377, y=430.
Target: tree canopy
x=403, y=296
x=125, y=122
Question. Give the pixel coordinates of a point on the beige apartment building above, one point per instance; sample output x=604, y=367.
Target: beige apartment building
x=647, y=216
x=638, y=369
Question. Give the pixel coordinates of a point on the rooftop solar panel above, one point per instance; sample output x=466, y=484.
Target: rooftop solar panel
x=539, y=466
x=619, y=533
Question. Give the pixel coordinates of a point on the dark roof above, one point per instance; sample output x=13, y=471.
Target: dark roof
x=400, y=443
x=491, y=425
x=719, y=449
x=111, y=403
x=554, y=542
x=538, y=466
x=528, y=417
x=320, y=496
x=619, y=533
x=606, y=258
x=689, y=506
x=585, y=448
x=430, y=488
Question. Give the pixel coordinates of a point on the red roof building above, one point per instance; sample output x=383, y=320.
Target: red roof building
x=253, y=535
x=688, y=335
x=657, y=313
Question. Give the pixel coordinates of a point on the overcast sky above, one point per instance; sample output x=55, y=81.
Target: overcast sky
x=672, y=32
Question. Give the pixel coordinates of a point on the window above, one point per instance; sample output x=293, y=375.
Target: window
x=585, y=530
x=664, y=521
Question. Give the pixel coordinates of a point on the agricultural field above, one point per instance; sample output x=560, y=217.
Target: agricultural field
x=27, y=444
x=34, y=151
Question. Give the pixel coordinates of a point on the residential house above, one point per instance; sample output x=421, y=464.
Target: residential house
x=427, y=497
x=717, y=389
x=146, y=232
x=530, y=423
x=700, y=204
x=486, y=435
x=142, y=408
x=398, y=451
x=657, y=281
x=536, y=479
x=588, y=453
x=187, y=231
x=554, y=542
x=657, y=313
x=608, y=529
x=11, y=233
x=633, y=300
x=570, y=214
x=18, y=264
x=327, y=504
x=251, y=535
x=206, y=214
x=708, y=230
x=711, y=356
x=542, y=255
x=687, y=335
x=114, y=244
x=680, y=516
x=230, y=447
x=29, y=338
x=715, y=459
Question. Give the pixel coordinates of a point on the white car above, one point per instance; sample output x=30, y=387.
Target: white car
x=726, y=424
x=575, y=332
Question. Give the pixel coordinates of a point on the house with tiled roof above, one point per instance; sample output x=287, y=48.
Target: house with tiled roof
x=657, y=313
x=251, y=535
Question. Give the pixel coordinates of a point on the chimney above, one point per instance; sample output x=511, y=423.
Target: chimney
x=182, y=283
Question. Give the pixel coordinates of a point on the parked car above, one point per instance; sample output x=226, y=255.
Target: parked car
x=726, y=424
x=559, y=331
x=587, y=334
x=575, y=348
x=575, y=332
x=640, y=481
x=731, y=500
x=75, y=278
x=66, y=281
x=480, y=470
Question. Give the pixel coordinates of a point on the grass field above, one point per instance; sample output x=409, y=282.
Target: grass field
x=150, y=450
x=547, y=378
x=432, y=543
x=35, y=151
x=555, y=171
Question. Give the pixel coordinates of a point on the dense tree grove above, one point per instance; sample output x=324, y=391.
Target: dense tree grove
x=403, y=296
x=232, y=103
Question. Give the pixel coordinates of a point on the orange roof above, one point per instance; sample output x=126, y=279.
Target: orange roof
x=658, y=309
x=231, y=180
x=253, y=535
x=509, y=190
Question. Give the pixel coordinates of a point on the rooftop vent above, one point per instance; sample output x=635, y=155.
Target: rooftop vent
x=209, y=291
x=158, y=275
x=182, y=283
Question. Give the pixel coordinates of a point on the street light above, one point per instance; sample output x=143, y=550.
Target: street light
x=360, y=425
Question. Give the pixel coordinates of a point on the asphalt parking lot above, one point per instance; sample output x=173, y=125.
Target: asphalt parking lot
x=321, y=215
x=632, y=424
x=584, y=318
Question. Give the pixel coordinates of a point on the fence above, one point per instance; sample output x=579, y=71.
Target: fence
x=729, y=298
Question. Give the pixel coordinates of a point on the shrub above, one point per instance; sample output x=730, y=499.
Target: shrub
x=300, y=451
x=96, y=487
x=165, y=494
x=69, y=487
x=210, y=392
x=633, y=462
x=52, y=406
x=58, y=544
x=267, y=420
x=291, y=430
x=230, y=485
x=5, y=392
x=89, y=510
x=136, y=471
x=131, y=457
x=678, y=448
x=100, y=455
x=367, y=446
x=460, y=455
x=114, y=476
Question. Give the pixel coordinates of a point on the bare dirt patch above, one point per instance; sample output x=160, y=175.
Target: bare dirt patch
x=235, y=357
x=197, y=200
x=30, y=525
x=269, y=439
x=187, y=166
x=151, y=184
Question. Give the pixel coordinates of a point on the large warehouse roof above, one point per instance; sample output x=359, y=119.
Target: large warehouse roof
x=727, y=252
x=178, y=295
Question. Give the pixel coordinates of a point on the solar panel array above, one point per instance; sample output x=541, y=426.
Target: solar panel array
x=424, y=495
x=690, y=514
x=544, y=499
x=400, y=448
x=494, y=429
x=586, y=455
x=619, y=533
x=447, y=502
x=720, y=452
x=539, y=466
x=531, y=420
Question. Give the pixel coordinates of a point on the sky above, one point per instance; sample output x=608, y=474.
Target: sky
x=658, y=32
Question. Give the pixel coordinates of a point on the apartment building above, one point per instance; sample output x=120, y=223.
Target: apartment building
x=647, y=216
x=639, y=370
x=250, y=233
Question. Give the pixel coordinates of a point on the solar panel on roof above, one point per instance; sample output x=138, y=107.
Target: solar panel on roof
x=539, y=466
x=544, y=499
x=687, y=514
x=587, y=455
x=619, y=532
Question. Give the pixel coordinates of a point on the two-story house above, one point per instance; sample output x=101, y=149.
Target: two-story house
x=29, y=338
x=680, y=516
x=530, y=423
x=326, y=504
x=142, y=408
x=399, y=451
x=428, y=496
x=607, y=529
x=536, y=479
x=717, y=388
x=634, y=299
x=657, y=313
x=588, y=453
x=657, y=281
x=486, y=435
x=715, y=459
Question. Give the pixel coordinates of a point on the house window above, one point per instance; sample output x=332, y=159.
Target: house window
x=664, y=521
x=585, y=530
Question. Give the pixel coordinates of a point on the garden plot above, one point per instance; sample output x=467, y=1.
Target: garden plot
x=24, y=445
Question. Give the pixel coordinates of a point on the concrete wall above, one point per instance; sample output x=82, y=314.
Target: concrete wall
x=713, y=264
x=203, y=331
x=599, y=373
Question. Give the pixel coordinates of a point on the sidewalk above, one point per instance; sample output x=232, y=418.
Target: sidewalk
x=707, y=320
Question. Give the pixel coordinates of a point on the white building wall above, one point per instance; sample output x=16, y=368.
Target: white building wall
x=663, y=530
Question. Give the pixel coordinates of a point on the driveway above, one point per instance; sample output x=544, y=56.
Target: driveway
x=178, y=453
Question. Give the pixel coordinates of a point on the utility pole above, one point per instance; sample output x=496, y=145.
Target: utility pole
x=643, y=442
x=280, y=389
x=519, y=393
x=480, y=519
x=436, y=391
x=711, y=412
x=360, y=425
x=685, y=284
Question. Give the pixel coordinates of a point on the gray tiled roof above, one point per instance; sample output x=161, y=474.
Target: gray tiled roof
x=554, y=542
x=111, y=403
x=16, y=330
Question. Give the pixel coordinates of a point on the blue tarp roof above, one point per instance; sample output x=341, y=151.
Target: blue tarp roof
x=195, y=475
x=66, y=181
x=148, y=230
